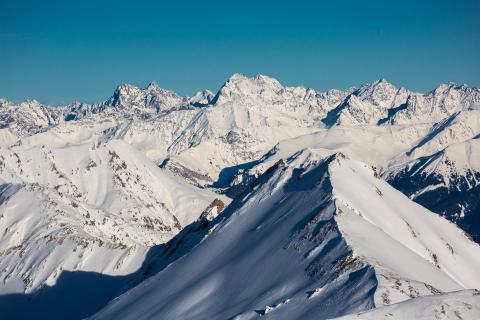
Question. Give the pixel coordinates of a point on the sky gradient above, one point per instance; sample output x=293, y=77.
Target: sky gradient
x=61, y=51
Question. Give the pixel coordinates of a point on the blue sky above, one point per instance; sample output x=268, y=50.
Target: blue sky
x=61, y=51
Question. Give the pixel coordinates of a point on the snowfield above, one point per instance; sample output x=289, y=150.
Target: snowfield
x=258, y=200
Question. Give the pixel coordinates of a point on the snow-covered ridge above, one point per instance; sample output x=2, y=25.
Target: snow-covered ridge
x=436, y=164
x=377, y=102
x=333, y=255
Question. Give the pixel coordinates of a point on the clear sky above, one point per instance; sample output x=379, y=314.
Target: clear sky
x=60, y=51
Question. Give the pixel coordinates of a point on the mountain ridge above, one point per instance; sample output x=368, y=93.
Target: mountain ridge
x=324, y=242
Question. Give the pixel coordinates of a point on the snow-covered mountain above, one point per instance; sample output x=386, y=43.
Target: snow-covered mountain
x=313, y=238
x=28, y=117
x=97, y=207
x=97, y=189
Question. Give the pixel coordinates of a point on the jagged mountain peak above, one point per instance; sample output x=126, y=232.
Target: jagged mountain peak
x=123, y=94
x=452, y=88
x=380, y=92
x=152, y=87
x=152, y=96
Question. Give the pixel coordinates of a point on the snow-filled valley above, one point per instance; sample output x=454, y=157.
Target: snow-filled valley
x=258, y=201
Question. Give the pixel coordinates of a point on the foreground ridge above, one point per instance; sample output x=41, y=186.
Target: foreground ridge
x=332, y=255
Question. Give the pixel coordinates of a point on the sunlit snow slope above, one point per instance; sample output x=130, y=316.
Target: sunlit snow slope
x=91, y=207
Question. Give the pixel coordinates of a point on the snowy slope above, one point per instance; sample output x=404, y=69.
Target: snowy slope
x=463, y=304
x=329, y=256
x=93, y=207
x=437, y=165
x=447, y=182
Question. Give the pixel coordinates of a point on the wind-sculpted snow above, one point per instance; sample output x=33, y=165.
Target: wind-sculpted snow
x=312, y=239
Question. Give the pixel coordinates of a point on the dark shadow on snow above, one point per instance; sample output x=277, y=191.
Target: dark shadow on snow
x=334, y=114
x=228, y=174
x=391, y=113
x=76, y=295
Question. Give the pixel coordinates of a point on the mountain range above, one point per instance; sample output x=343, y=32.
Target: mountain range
x=259, y=200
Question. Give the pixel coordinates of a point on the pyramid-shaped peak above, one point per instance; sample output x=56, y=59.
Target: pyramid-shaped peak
x=239, y=86
x=380, y=92
x=124, y=93
x=381, y=83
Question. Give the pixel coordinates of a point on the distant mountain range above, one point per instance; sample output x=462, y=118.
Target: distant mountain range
x=259, y=200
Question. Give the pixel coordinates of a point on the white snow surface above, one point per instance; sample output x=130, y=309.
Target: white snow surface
x=463, y=304
x=94, y=206
x=314, y=239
